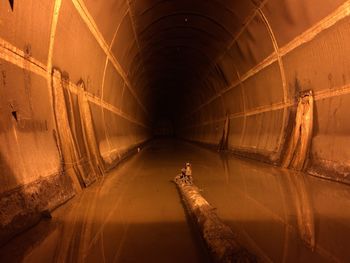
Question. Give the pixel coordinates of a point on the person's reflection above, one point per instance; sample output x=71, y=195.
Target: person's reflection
x=225, y=164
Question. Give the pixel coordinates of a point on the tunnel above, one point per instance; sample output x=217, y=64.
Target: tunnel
x=103, y=102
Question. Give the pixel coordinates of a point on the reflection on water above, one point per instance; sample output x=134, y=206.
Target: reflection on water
x=135, y=215
x=284, y=216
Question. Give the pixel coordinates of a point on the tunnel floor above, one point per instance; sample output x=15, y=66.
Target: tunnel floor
x=134, y=214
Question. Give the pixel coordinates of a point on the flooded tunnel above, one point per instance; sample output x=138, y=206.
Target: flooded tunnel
x=103, y=102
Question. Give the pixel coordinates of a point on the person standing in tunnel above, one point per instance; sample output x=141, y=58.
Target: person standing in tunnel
x=188, y=172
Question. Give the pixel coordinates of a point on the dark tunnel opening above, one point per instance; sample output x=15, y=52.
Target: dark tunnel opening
x=88, y=87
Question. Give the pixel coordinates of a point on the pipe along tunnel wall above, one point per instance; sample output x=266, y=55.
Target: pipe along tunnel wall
x=83, y=81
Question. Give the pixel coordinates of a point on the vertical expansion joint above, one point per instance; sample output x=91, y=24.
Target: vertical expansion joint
x=90, y=23
x=240, y=83
x=103, y=83
x=54, y=22
x=96, y=161
x=279, y=58
x=223, y=145
x=132, y=19
x=283, y=76
x=234, y=39
x=298, y=148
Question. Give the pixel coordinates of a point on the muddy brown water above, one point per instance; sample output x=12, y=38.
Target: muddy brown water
x=134, y=214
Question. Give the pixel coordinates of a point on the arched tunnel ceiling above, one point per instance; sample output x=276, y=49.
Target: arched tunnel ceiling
x=171, y=48
x=180, y=42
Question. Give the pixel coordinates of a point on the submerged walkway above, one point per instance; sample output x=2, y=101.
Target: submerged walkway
x=135, y=214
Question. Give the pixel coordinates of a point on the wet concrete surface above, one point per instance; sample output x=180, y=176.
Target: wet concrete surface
x=134, y=214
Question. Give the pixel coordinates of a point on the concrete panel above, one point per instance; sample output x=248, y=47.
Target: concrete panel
x=207, y=114
x=252, y=131
x=227, y=65
x=264, y=88
x=129, y=104
x=322, y=64
x=211, y=133
x=329, y=153
x=123, y=134
x=127, y=58
x=99, y=127
x=107, y=15
x=29, y=150
x=124, y=40
x=116, y=126
x=113, y=87
x=83, y=154
x=270, y=131
x=253, y=45
x=76, y=50
x=28, y=26
x=32, y=178
x=233, y=100
x=219, y=109
x=290, y=18
x=235, y=135
x=217, y=130
x=262, y=132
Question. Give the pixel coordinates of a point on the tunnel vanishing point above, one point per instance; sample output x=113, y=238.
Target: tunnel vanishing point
x=85, y=84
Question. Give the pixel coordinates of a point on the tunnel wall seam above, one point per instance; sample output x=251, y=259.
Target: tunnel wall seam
x=200, y=127
x=103, y=83
x=16, y=56
x=29, y=214
x=132, y=19
x=308, y=35
x=244, y=106
x=245, y=25
x=89, y=21
x=48, y=190
x=342, y=12
x=283, y=77
x=319, y=95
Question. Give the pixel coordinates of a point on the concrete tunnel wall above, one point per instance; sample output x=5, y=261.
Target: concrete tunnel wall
x=283, y=48
x=253, y=59
x=84, y=46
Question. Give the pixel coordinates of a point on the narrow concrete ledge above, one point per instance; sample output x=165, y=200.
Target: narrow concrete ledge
x=219, y=238
x=23, y=207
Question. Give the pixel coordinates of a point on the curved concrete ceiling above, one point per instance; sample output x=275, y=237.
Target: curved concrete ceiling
x=180, y=42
